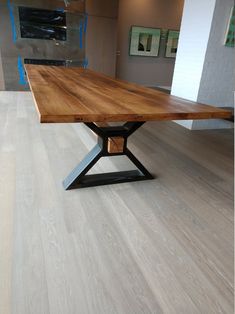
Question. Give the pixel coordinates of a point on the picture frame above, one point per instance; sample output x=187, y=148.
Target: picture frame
x=230, y=32
x=172, y=43
x=144, y=41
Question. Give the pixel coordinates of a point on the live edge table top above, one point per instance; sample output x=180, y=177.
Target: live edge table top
x=67, y=94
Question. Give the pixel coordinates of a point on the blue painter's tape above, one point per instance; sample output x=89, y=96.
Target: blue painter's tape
x=81, y=35
x=60, y=10
x=14, y=34
x=85, y=63
x=85, y=23
x=22, y=80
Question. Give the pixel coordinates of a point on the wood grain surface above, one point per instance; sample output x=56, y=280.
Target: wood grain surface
x=79, y=95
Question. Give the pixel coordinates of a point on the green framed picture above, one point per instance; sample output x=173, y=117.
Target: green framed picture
x=172, y=43
x=144, y=41
x=229, y=37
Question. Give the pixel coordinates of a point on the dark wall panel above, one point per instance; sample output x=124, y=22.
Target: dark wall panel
x=13, y=51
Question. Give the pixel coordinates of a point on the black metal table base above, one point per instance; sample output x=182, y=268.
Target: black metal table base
x=78, y=178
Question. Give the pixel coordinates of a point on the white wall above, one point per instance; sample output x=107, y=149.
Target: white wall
x=149, y=71
x=218, y=76
x=194, y=36
x=204, y=70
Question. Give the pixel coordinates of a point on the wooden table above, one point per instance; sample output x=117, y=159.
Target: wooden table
x=64, y=95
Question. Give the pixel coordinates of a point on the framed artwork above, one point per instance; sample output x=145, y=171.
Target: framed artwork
x=144, y=41
x=172, y=43
x=229, y=36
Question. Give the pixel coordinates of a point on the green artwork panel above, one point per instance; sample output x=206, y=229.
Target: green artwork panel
x=229, y=39
x=144, y=41
x=172, y=44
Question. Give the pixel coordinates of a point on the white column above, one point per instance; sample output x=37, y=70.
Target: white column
x=193, y=41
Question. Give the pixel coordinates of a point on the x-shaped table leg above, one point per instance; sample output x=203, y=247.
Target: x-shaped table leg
x=112, y=141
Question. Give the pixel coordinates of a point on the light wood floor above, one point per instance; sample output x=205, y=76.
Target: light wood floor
x=161, y=246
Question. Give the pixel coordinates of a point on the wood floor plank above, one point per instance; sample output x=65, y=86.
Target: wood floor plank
x=29, y=284
x=7, y=195
x=160, y=246
x=113, y=260
x=189, y=232
x=184, y=144
x=187, y=273
x=65, y=292
x=7, y=199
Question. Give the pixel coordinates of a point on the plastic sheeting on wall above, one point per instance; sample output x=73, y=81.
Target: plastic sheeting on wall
x=15, y=48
